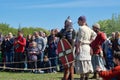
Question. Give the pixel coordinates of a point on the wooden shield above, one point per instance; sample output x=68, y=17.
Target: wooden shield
x=65, y=52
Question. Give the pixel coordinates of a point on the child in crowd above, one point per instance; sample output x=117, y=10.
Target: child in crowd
x=32, y=54
x=46, y=64
x=113, y=74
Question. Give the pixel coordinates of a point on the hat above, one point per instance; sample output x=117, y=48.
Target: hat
x=82, y=18
x=68, y=23
x=96, y=25
x=68, y=20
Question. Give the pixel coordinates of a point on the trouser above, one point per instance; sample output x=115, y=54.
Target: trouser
x=19, y=60
x=1, y=60
x=9, y=58
x=54, y=63
x=40, y=59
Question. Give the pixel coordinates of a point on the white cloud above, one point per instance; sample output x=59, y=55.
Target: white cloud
x=78, y=3
x=63, y=4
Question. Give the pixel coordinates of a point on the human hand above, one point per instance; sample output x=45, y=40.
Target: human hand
x=98, y=69
x=18, y=41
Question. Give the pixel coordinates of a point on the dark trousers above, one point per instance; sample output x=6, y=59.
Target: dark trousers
x=9, y=58
x=40, y=59
x=54, y=62
x=19, y=60
x=1, y=60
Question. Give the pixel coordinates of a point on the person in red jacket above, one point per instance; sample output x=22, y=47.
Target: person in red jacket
x=19, y=47
x=113, y=74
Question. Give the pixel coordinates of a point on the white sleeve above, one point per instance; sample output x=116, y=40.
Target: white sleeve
x=93, y=35
x=80, y=35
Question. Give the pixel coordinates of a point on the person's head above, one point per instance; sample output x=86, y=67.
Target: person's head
x=46, y=58
x=56, y=30
x=113, y=35
x=117, y=35
x=41, y=33
x=52, y=32
x=82, y=20
x=10, y=35
x=0, y=34
x=96, y=27
x=116, y=58
x=32, y=37
x=6, y=37
x=29, y=37
x=68, y=23
x=36, y=34
x=20, y=33
x=44, y=34
x=33, y=44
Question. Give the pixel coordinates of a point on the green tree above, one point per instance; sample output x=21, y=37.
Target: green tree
x=5, y=29
x=110, y=25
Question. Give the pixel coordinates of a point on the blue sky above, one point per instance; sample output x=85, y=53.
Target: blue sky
x=51, y=14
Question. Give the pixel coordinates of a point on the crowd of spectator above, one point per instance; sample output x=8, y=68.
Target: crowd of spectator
x=38, y=52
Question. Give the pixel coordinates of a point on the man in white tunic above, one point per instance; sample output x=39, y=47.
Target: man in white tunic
x=83, y=58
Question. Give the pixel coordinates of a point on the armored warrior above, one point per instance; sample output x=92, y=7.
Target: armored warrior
x=69, y=34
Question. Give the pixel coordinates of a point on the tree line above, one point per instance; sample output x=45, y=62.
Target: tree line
x=5, y=29
x=110, y=25
x=107, y=26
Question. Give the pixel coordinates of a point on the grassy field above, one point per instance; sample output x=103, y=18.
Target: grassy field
x=31, y=76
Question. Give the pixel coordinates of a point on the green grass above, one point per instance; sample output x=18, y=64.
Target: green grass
x=30, y=76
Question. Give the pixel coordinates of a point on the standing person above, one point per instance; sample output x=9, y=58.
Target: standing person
x=41, y=46
x=107, y=49
x=83, y=58
x=19, y=47
x=113, y=74
x=112, y=37
x=1, y=51
x=97, y=57
x=28, y=41
x=1, y=39
x=32, y=54
x=52, y=50
x=116, y=42
x=9, y=50
x=43, y=35
x=112, y=40
x=3, y=48
x=68, y=33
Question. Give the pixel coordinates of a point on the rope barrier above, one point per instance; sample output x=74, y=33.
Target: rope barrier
x=27, y=69
x=4, y=67
x=24, y=61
